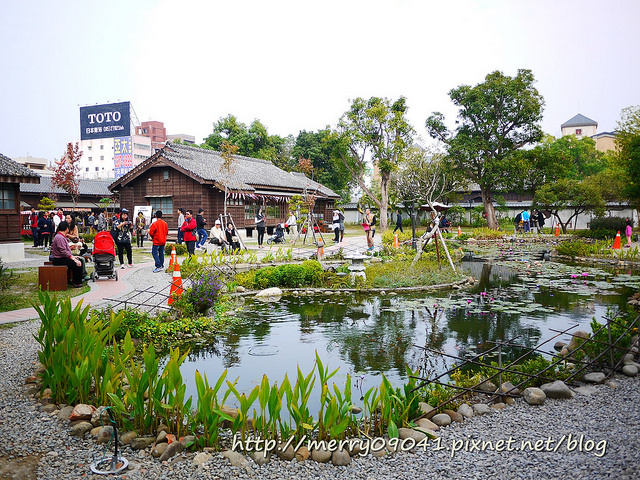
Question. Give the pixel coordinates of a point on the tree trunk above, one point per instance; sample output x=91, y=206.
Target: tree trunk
x=487, y=201
x=384, y=199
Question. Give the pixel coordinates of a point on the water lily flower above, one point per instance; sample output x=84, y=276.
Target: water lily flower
x=574, y=275
x=468, y=301
x=585, y=274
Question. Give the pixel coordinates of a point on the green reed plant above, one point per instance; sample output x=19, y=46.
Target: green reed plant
x=241, y=422
x=297, y=401
x=74, y=350
x=208, y=412
x=176, y=409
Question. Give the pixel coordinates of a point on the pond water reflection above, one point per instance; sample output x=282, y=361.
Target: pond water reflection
x=365, y=335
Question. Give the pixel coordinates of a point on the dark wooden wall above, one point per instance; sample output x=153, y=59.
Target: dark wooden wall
x=10, y=219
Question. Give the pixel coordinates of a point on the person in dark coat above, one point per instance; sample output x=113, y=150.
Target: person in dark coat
x=398, y=222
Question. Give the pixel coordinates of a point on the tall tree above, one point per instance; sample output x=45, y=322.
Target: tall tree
x=227, y=171
x=320, y=149
x=628, y=145
x=252, y=141
x=65, y=173
x=495, y=119
x=375, y=130
x=577, y=196
x=553, y=159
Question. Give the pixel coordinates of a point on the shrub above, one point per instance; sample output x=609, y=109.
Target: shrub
x=388, y=235
x=608, y=227
x=204, y=291
x=88, y=237
x=181, y=249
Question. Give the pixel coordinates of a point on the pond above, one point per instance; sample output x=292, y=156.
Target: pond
x=517, y=295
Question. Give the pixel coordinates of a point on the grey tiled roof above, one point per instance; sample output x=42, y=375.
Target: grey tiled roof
x=10, y=168
x=248, y=174
x=85, y=187
x=579, y=120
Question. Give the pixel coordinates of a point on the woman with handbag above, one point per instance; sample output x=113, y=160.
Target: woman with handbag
x=123, y=228
x=232, y=237
x=141, y=231
x=368, y=225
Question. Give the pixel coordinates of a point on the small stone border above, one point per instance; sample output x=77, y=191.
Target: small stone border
x=311, y=291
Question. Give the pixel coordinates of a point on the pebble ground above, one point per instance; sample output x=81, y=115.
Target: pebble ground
x=608, y=416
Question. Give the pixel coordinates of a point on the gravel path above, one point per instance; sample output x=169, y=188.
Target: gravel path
x=609, y=415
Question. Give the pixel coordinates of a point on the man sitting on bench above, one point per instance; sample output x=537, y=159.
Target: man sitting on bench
x=61, y=253
x=217, y=236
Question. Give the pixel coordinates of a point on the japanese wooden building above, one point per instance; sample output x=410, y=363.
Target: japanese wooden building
x=11, y=175
x=90, y=192
x=182, y=176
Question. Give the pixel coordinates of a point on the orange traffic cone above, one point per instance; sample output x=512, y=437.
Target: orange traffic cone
x=174, y=257
x=557, y=231
x=616, y=242
x=396, y=243
x=459, y=230
x=176, y=283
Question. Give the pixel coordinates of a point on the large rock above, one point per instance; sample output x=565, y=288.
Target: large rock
x=82, y=412
x=499, y=406
x=105, y=434
x=557, y=389
x=482, y=409
x=628, y=359
x=559, y=345
x=534, y=396
x=630, y=370
x=236, y=459
x=65, y=412
x=140, y=443
x=594, y=377
x=340, y=458
x=52, y=407
x=585, y=390
x=188, y=440
x=100, y=416
x=173, y=449
x=260, y=458
x=508, y=387
x=411, y=433
x=455, y=416
x=201, y=458
x=159, y=449
x=302, y=454
x=269, y=292
x=427, y=424
x=426, y=409
x=80, y=428
x=127, y=438
x=465, y=410
x=487, y=386
x=441, y=419
x=320, y=455
x=285, y=454
x=162, y=437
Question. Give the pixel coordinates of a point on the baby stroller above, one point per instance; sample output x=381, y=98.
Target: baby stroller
x=278, y=234
x=104, y=257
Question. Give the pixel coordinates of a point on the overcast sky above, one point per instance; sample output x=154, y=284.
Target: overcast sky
x=294, y=65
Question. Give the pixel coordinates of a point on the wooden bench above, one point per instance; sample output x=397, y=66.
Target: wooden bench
x=53, y=278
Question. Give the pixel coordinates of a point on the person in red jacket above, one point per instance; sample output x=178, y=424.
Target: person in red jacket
x=158, y=232
x=189, y=228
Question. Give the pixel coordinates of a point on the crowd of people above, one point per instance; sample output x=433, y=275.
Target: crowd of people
x=526, y=222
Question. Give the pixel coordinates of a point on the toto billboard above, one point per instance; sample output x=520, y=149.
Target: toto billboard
x=105, y=121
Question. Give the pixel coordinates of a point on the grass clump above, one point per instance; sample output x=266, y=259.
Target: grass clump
x=400, y=274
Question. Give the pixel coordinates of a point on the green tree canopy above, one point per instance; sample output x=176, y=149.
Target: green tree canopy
x=320, y=148
x=495, y=119
x=628, y=144
x=252, y=141
x=374, y=130
x=578, y=196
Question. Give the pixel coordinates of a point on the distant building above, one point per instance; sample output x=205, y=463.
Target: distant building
x=38, y=165
x=605, y=141
x=183, y=137
x=580, y=126
x=12, y=174
x=99, y=160
x=155, y=131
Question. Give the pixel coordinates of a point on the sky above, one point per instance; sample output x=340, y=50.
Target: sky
x=295, y=65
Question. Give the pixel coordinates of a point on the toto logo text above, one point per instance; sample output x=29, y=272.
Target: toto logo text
x=104, y=117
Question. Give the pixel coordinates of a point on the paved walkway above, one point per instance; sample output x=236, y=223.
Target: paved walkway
x=140, y=275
